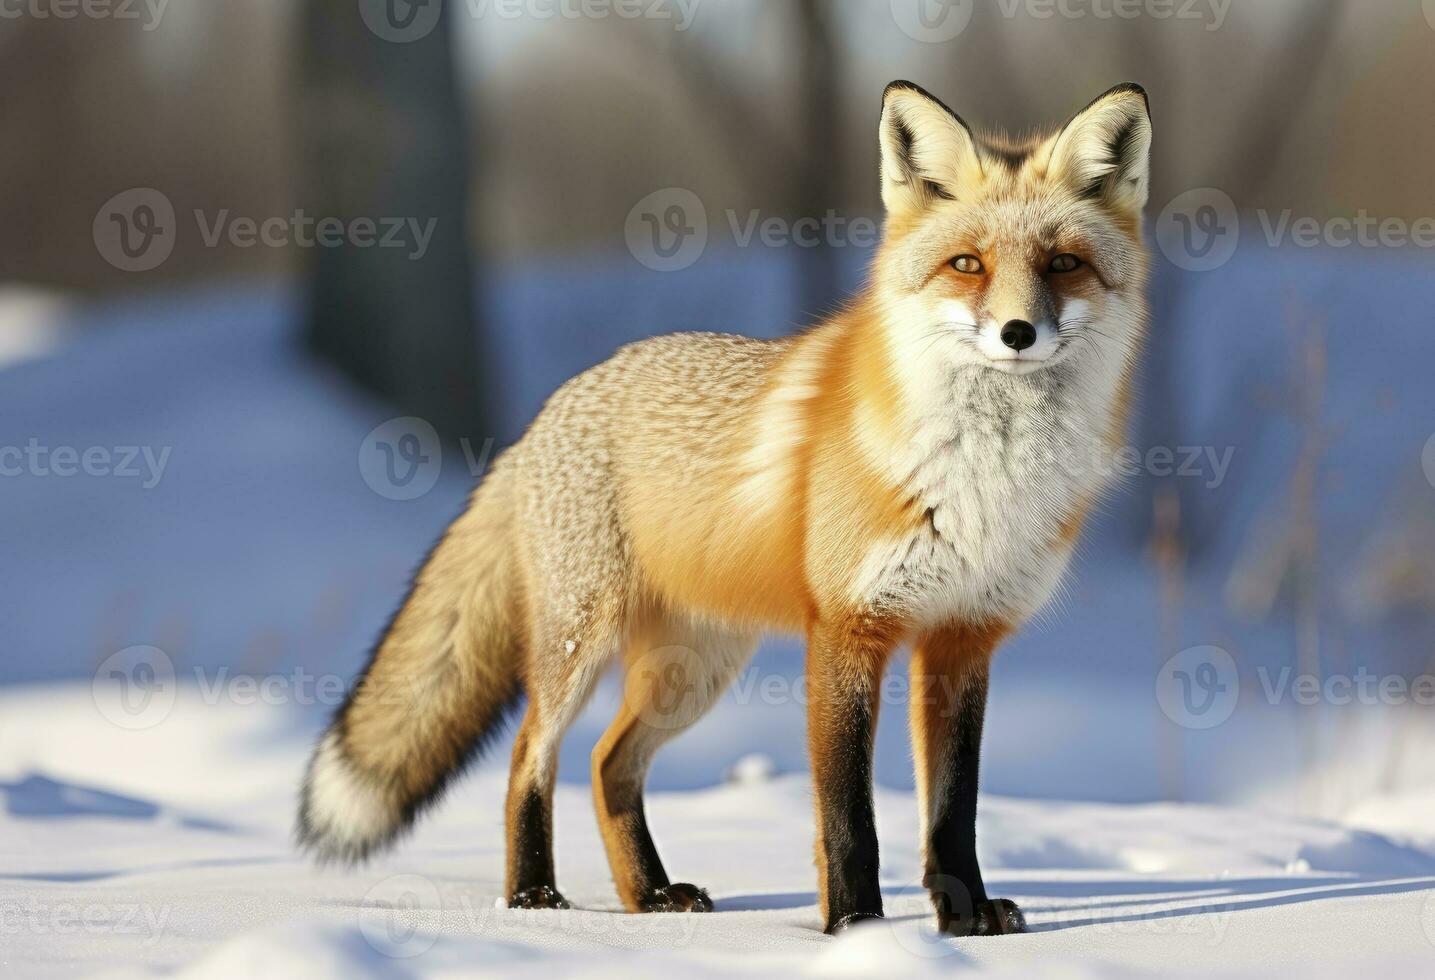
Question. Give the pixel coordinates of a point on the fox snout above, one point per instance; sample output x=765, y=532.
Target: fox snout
x=1019, y=345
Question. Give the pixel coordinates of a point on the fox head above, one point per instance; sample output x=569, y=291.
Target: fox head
x=1013, y=255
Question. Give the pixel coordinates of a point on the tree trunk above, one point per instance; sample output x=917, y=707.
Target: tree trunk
x=382, y=139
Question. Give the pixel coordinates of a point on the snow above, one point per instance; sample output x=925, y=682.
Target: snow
x=142, y=852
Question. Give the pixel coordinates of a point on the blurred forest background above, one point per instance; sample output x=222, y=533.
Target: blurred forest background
x=532, y=134
x=1315, y=105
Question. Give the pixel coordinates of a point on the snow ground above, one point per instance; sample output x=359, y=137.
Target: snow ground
x=165, y=850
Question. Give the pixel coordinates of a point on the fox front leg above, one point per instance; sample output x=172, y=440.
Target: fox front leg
x=844, y=670
x=949, y=699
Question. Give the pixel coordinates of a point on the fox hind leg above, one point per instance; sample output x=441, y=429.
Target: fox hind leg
x=559, y=680
x=676, y=671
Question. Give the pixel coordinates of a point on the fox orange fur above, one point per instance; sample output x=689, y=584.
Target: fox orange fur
x=914, y=470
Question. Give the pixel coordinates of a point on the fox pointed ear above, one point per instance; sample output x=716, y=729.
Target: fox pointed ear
x=1105, y=150
x=928, y=152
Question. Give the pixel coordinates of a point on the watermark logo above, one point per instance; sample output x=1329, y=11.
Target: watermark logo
x=1340, y=690
x=1428, y=6
x=135, y=688
x=1209, y=464
x=1198, y=687
x=1199, y=230
x=1210, y=13
x=35, y=459
x=927, y=902
x=134, y=231
x=401, y=903
x=401, y=459
x=401, y=21
x=1427, y=460
x=33, y=916
x=147, y=11
x=667, y=688
x=301, y=230
x=932, y=21
x=667, y=230
x=1364, y=230
x=680, y=12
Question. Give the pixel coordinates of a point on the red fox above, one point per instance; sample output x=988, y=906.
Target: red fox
x=900, y=474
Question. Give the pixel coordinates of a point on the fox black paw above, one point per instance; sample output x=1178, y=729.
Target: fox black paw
x=539, y=897
x=849, y=920
x=679, y=897
x=996, y=917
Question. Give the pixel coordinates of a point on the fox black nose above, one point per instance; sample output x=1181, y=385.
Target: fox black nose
x=1018, y=334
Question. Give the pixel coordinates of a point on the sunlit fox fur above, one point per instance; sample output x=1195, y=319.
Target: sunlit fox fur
x=898, y=474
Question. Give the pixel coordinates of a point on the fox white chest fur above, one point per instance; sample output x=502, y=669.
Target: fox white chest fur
x=1001, y=465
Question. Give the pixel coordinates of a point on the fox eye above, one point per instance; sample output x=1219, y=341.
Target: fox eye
x=1065, y=262
x=969, y=264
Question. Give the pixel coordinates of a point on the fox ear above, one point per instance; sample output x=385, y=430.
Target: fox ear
x=927, y=150
x=1105, y=150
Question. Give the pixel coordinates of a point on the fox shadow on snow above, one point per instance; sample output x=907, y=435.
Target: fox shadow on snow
x=1216, y=895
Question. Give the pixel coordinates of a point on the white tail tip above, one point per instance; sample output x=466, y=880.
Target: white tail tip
x=342, y=817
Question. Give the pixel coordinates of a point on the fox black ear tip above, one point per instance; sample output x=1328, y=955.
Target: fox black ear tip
x=902, y=85
x=1133, y=88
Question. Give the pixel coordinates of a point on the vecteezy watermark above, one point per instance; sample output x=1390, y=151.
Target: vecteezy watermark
x=668, y=230
x=138, y=687
x=31, y=916
x=1200, y=229
x=669, y=687
x=938, y=21
x=143, y=463
x=148, y=12
x=135, y=688
x=1204, y=923
x=1209, y=464
x=136, y=230
x=932, y=21
x=1364, y=230
x=1211, y=14
x=395, y=910
x=1198, y=688
x=916, y=903
x=1364, y=687
x=1427, y=907
x=305, y=231
x=403, y=21
x=681, y=13
x=401, y=459
x=401, y=917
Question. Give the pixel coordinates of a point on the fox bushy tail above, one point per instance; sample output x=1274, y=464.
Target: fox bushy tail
x=436, y=690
